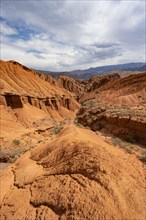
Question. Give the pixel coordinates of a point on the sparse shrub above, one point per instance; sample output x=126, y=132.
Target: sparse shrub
x=4, y=158
x=128, y=150
x=101, y=124
x=81, y=102
x=118, y=142
x=16, y=142
x=89, y=103
x=12, y=155
x=56, y=129
x=79, y=125
x=130, y=138
x=143, y=157
x=122, y=144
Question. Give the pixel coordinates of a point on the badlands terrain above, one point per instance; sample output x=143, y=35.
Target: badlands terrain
x=72, y=149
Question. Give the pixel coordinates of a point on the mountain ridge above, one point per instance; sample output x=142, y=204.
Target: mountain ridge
x=98, y=71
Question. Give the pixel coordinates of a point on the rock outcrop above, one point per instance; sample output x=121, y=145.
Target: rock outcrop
x=65, y=82
x=127, y=124
x=47, y=78
x=118, y=107
x=71, y=85
x=128, y=91
x=21, y=85
x=75, y=176
x=99, y=81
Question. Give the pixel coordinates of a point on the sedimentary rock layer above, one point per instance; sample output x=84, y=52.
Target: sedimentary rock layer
x=75, y=176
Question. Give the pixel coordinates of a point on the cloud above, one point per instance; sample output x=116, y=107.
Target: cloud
x=7, y=30
x=66, y=35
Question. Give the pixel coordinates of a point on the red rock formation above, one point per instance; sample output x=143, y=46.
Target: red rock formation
x=71, y=85
x=75, y=176
x=121, y=122
x=99, y=81
x=65, y=82
x=22, y=85
x=47, y=78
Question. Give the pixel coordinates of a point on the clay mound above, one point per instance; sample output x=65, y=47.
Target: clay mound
x=75, y=176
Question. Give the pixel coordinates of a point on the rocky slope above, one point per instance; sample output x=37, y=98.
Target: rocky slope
x=128, y=91
x=71, y=85
x=98, y=81
x=29, y=104
x=20, y=86
x=79, y=87
x=65, y=82
x=75, y=176
x=70, y=172
x=47, y=78
x=119, y=107
x=125, y=123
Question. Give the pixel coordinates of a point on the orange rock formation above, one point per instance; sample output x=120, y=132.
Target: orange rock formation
x=75, y=176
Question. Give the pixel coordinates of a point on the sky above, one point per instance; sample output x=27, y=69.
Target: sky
x=68, y=35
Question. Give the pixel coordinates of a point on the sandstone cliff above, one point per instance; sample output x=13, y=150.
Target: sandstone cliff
x=99, y=81
x=21, y=86
x=125, y=123
x=128, y=91
x=119, y=107
x=71, y=84
x=65, y=82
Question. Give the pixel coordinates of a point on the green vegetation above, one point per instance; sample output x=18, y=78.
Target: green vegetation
x=128, y=150
x=130, y=138
x=126, y=112
x=121, y=111
x=101, y=124
x=16, y=142
x=122, y=144
x=118, y=142
x=79, y=125
x=56, y=129
x=143, y=157
x=89, y=103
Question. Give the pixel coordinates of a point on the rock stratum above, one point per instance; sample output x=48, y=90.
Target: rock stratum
x=65, y=82
x=75, y=176
x=118, y=106
x=69, y=172
x=26, y=93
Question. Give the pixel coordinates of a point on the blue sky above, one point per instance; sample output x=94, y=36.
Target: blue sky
x=68, y=35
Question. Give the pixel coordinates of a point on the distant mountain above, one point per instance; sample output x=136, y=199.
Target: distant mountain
x=101, y=70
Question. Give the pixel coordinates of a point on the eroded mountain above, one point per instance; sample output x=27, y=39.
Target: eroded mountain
x=57, y=168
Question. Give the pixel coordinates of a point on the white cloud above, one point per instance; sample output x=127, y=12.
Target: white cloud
x=74, y=34
x=7, y=30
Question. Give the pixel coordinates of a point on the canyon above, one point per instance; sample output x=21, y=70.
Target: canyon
x=72, y=148
x=118, y=106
